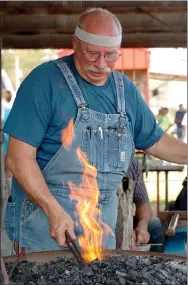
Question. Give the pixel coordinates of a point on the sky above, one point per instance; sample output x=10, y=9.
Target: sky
x=171, y=61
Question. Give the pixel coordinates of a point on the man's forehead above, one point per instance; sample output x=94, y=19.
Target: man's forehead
x=96, y=48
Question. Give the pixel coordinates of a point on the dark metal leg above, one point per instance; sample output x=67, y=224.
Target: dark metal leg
x=158, y=194
x=166, y=189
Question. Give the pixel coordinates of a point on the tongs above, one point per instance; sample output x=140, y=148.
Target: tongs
x=7, y=276
x=73, y=247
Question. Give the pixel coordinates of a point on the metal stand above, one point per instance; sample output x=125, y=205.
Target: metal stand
x=176, y=244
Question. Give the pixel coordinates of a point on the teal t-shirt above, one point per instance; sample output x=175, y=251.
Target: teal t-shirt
x=44, y=105
x=6, y=111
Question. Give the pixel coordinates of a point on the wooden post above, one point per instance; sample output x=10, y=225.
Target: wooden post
x=124, y=227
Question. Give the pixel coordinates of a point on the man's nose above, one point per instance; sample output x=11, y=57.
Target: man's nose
x=101, y=63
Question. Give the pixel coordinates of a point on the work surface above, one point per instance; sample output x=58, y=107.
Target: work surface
x=160, y=165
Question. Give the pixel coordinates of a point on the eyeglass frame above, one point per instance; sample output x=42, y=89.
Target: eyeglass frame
x=100, y=53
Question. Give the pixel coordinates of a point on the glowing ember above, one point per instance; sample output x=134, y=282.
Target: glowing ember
x=87, y=197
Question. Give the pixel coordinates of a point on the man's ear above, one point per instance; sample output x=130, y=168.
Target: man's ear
x=74, y=43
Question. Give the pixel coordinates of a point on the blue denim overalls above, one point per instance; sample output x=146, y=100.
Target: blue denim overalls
x=108, y=144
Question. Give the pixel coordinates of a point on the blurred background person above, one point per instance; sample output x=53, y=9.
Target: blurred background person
x=163, y=119
x=178, y=121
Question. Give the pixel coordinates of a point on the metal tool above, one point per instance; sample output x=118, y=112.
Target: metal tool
x=73, y=247
x=151, y=244
x=171, y=229
x=176, y=232
x=17, y=261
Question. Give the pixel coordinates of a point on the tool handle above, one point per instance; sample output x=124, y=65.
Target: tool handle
x=71, y=241
x=73, y=247
x=68, y=237
x=171, y=230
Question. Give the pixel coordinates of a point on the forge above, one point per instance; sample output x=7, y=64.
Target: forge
x=118, y=267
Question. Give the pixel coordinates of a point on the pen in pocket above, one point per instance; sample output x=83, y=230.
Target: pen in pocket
x=101, y=132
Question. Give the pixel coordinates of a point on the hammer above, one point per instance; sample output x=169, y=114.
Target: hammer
x=171, y=229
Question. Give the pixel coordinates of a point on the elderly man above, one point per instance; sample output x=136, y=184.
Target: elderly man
x=110, y=119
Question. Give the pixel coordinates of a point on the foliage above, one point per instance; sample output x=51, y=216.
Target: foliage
x=27, y=60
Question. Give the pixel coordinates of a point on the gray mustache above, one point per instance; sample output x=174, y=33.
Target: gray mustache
x=101, y=70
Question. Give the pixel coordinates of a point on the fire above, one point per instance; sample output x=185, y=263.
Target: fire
x=87, y=197
x=68, y=135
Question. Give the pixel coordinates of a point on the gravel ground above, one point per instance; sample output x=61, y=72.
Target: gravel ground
x=122, y=269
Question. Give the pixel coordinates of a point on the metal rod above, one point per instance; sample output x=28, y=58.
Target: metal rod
x=76, y=255
x=152, y=244
x=17, y=261
x=73, y=247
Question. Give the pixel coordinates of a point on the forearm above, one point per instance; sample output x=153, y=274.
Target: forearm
x=170, y=149
x=178, y=121
x=143, y=214
x=29, y=176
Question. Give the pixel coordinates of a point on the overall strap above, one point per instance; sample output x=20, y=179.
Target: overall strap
x=77, y=94
x=119, y=93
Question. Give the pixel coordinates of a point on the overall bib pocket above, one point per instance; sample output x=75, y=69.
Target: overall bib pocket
x=10, y=220
x=116, y=150
x=88, y=145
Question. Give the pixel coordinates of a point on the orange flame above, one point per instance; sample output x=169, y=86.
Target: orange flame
x=67, y=135
x=87, y=197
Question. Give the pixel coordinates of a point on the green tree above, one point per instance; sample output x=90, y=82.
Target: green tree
x=27, y=60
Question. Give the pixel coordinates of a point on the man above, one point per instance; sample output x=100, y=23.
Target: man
x=163, y=120
x=110, y=119
x=178, y=121
x=146, y=228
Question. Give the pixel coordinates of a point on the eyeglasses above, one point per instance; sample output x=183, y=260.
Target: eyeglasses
x=93, y=56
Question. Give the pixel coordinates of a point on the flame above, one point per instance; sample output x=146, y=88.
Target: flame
x=87, y=197
x=67, y=135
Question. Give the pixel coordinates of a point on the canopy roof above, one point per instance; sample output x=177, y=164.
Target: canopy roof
x=50, y=24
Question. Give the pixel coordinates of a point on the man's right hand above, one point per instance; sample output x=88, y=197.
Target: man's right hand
x=59, y=222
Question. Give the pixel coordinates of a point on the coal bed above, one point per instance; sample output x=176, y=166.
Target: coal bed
x=120, y=269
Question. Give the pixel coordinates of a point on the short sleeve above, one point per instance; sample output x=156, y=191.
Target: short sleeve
x=146, y=129
x=140, y=195
x=31, y=112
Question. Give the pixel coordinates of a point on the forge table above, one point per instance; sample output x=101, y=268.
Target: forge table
x=161, y=166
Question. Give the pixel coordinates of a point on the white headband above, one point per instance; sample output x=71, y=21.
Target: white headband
x=97, y=40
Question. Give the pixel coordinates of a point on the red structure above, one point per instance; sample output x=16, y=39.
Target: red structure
x=134, y=62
